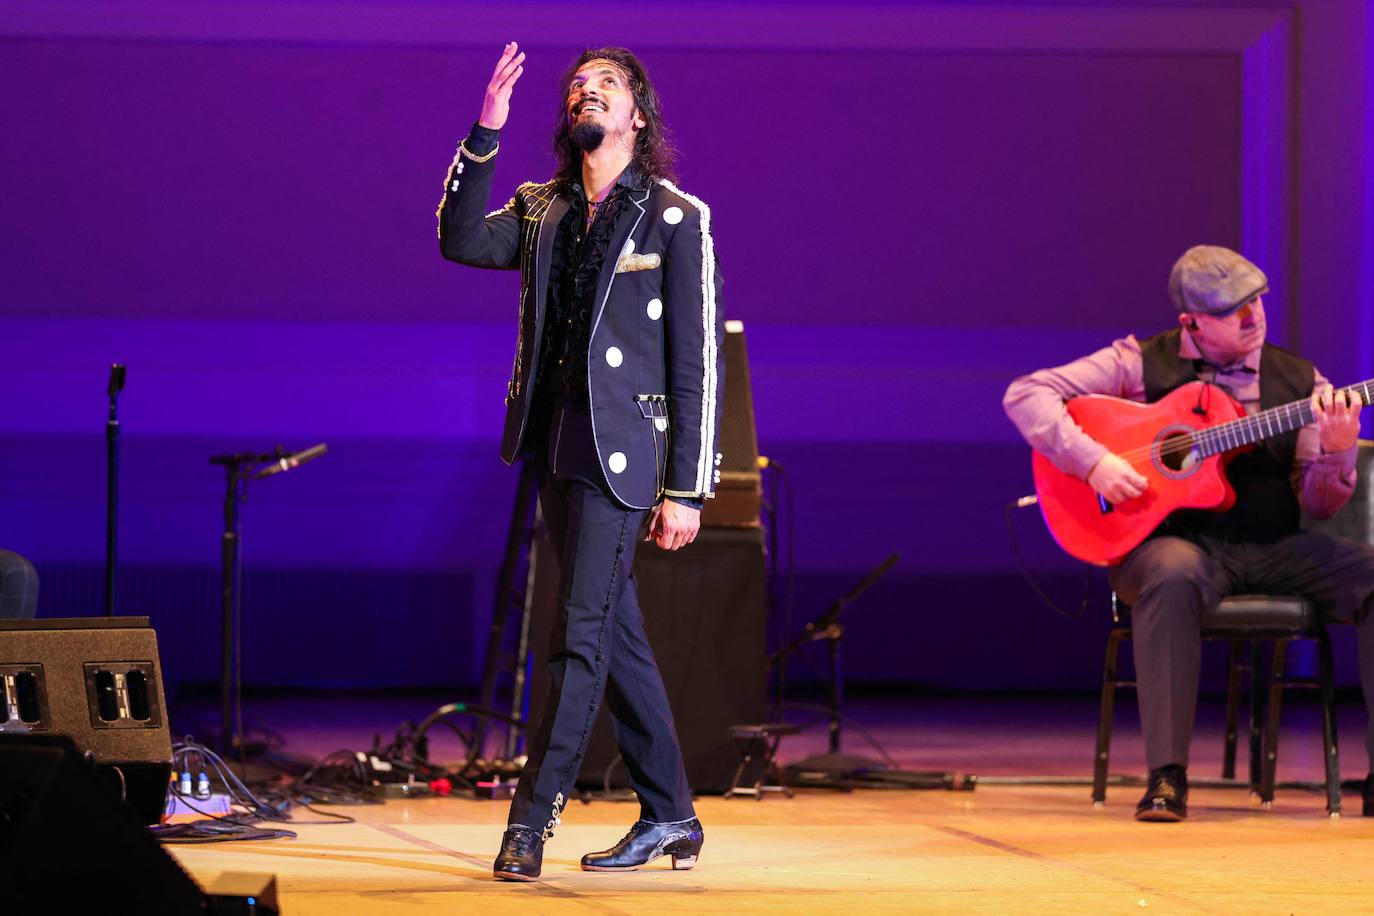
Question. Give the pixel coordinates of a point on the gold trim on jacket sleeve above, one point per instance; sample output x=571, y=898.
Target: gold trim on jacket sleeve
x=463, y=147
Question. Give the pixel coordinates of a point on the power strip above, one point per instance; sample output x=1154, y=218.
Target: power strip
x=180, y=810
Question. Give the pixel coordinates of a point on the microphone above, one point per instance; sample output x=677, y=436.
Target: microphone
x=116, y=379
x=292, y=461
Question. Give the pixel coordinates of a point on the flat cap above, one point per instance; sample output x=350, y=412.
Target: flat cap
x=1214, y=281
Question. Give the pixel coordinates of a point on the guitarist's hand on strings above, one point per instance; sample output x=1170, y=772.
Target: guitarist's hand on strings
x=1114, y=479
x=1337, y=416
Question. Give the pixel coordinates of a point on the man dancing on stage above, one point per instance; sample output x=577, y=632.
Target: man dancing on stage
x=1194, y=559
x=614, y=397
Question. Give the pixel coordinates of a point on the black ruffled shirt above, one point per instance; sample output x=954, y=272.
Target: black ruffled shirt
x=579, y=250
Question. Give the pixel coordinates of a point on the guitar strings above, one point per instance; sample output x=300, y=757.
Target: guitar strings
x=1232, y=430
x=1236, y=430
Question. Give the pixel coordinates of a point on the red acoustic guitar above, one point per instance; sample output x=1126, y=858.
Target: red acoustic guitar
x=1180, y=444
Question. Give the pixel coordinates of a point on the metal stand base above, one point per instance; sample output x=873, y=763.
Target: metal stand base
x=849, y=771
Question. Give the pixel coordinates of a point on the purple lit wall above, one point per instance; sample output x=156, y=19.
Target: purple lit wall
x=913, y=203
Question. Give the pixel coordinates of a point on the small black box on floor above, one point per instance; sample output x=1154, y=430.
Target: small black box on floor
x=705, y=615
x=243, y=893
x=98, y=681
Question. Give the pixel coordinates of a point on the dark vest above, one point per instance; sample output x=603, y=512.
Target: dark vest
x=1266, y=507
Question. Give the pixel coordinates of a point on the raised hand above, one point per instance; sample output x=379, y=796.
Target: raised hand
x=496, y=103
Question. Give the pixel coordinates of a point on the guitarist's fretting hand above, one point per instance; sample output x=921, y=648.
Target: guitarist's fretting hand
x=1338, y=419
x=1114, y=479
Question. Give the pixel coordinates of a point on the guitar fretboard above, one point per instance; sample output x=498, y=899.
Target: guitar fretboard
x=1264, y=425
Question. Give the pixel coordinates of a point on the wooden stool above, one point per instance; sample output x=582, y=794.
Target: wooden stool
x=761, y=741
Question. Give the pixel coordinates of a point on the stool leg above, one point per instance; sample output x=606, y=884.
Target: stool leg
x=1271, y=725
x=1104, y=715
x=1235, y=668
x=1256, y=699
x=746, y=754
x=775, y=772
x=1330, y=748
x=763, y=771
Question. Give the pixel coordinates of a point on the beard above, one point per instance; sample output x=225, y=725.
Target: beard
x=586, y=135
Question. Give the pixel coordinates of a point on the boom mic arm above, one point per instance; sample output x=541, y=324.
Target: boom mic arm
x=288, y=462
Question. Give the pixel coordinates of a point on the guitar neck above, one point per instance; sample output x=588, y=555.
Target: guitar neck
x=1266, y=424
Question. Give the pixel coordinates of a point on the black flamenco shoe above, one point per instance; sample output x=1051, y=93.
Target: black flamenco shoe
x=646, y=842
x=1368, y=795
x=521, y=856
x=1166, y=799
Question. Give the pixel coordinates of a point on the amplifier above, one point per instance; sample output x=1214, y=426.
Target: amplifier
x=739, y=492
x=705, y=614
x=97, y=681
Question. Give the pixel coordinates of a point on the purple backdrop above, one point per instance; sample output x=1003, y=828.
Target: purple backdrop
x=238, y=203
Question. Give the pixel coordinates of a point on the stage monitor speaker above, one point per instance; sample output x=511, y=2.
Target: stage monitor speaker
x=67, y=844
x=739, y=491
x=66, y=841
x=705, y=615
x=98, y=681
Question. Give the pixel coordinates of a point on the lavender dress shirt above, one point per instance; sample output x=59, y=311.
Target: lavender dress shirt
x=1035, y=404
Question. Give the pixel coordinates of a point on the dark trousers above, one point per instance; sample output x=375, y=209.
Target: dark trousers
x=18, y=586
x=1170, y=581
x=598, y=647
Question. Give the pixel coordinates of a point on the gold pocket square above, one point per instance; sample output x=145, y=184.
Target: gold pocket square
x=633, y=262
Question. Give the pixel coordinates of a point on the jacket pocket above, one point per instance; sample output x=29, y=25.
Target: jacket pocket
x=652, y=406
x=654, y=409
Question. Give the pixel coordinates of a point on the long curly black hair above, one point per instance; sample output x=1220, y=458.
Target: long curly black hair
x=653, y=153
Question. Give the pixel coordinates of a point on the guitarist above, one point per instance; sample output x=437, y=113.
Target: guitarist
x=1195, y=558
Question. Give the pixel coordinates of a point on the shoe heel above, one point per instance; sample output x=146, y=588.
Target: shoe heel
x=684, y=853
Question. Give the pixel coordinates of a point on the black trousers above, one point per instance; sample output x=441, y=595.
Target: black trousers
x=1170, y=581
x=598, y=648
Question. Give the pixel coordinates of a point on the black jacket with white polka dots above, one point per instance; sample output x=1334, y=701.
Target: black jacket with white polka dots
x=654, y=369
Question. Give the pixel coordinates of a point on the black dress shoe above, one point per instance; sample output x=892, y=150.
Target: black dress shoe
x=646, y=842
x=521, y=856
x=1368, y=794
x=1166, y=799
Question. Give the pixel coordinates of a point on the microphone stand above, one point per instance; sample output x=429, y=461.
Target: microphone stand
x=835, y=769
x=112, y=485
x=240, y=468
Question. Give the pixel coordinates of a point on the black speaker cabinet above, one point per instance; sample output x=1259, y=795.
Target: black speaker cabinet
x=98, y=681
x=704, y=611
x=68, y=845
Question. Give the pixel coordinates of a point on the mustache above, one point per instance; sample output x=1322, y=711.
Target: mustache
x=584, y=102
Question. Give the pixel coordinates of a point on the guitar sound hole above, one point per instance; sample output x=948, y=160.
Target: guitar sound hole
x=1175, y=454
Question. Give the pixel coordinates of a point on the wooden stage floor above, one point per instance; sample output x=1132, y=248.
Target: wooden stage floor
x=1000, y=848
